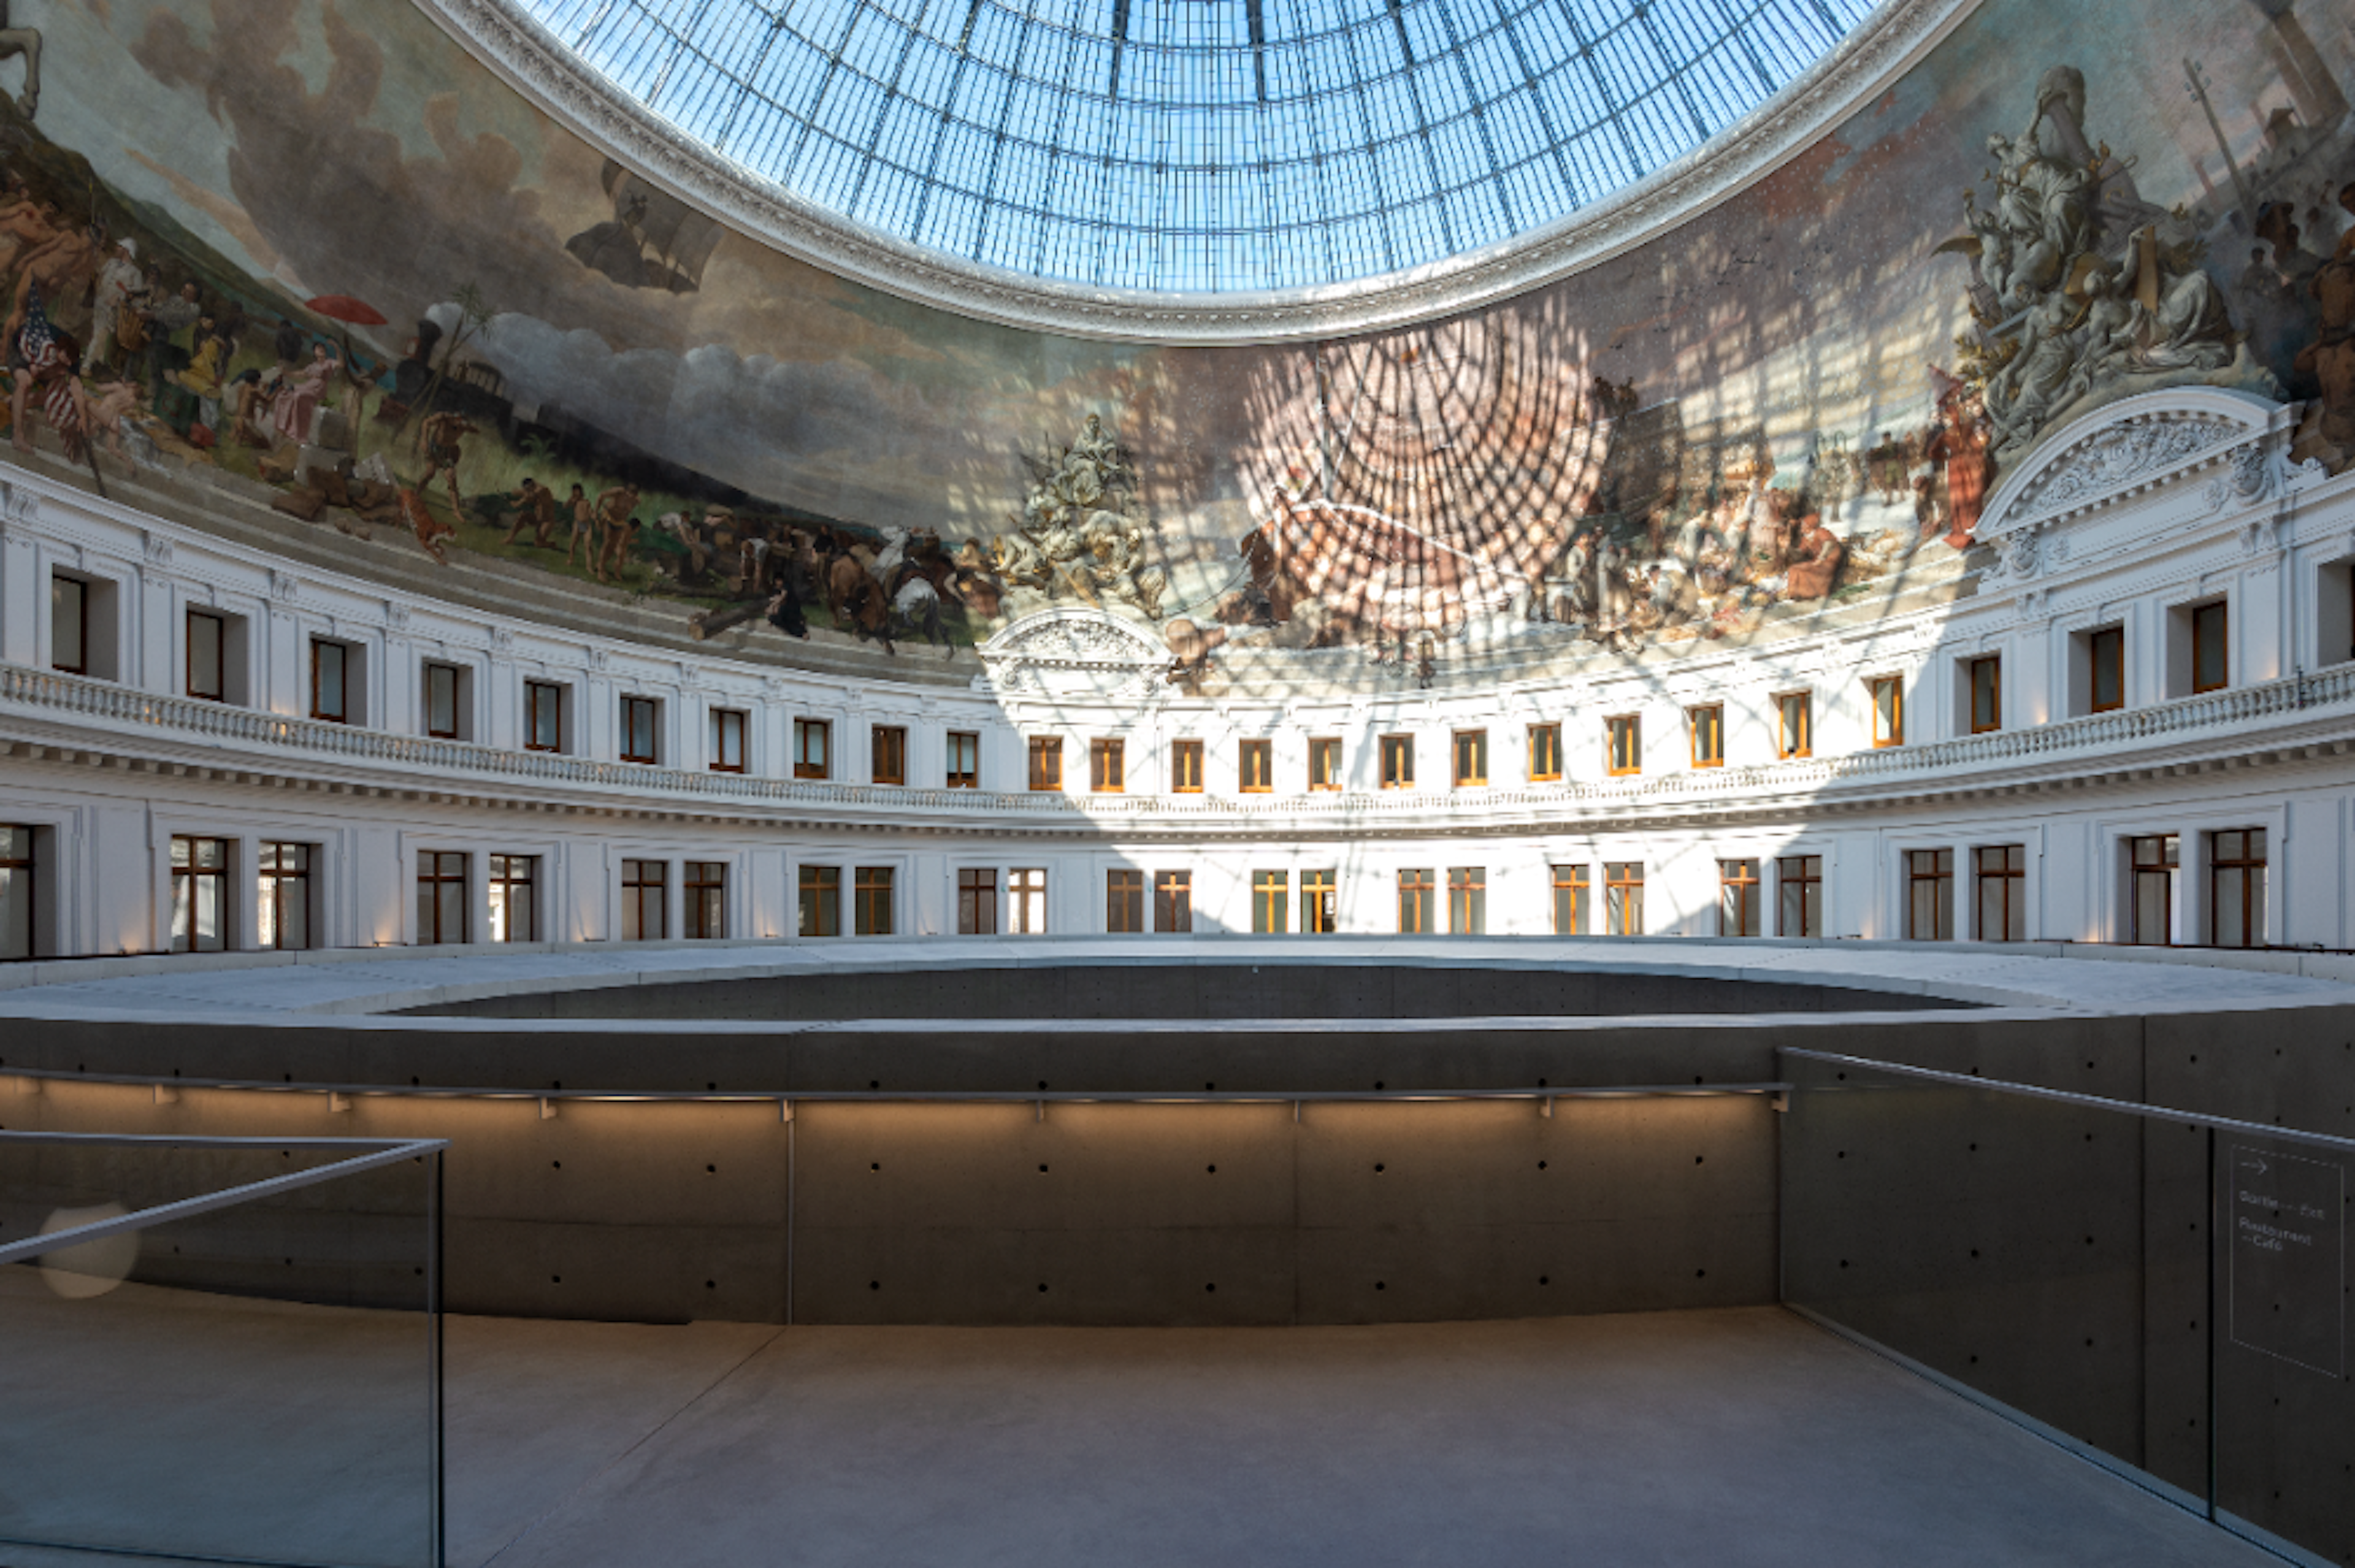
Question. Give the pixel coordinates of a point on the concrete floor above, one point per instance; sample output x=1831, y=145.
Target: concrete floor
x=1729, y=1437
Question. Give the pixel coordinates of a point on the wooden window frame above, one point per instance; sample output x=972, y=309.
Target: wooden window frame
x=637, y=882
x=1992, y=721
x=1420, y=895
x=433, y=669
x=341, y=653
x=2100, y=640
x=969, y=742
x=977, y=900
x=817, y=901
x=1324, y=763
x=1468, y=758
x=1739, y=888
x=1023, y=884
x=1271, y=902
x=1467, y=901
x=1705, y=734
x=1933, y=867
x=887, y=747
x=23, y=875
x=703, y=919
x=1320, y=902
x=536, y=692
x=1397, y=755
x=2166, y=863
x=1622, y=898
x=2216, y=613
x=501, y=877
x=1173, y=904
x=1186, y=767
x=1255, y=766
x=1789, y=747
x=1892, y=732
x=1632, y=726
x=438, y=878
x=813, y=763
x=726, y=722
x=2252, y=865
x=1545, y=753
x=220, y=660
x=2010, y=882
x=873, y=908
x=1125, y=893
x=81, y=594
x=1573, y=879
x=1801, y=874
x=1046, y=753
x=272, y=877
x=1107, y=765
x=634, y=709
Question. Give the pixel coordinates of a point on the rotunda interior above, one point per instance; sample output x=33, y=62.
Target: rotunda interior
x=753, y=753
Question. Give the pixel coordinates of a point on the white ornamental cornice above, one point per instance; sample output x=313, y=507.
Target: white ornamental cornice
x=1073, y=652
x=1897, y=34
x=2130, y=449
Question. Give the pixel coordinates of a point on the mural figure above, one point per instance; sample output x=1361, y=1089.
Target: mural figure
x=1078, y=531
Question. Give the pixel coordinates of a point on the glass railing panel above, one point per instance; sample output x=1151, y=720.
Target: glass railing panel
x=254, y=1381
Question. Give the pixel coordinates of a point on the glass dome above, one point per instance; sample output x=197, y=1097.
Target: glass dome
x=1202, y=145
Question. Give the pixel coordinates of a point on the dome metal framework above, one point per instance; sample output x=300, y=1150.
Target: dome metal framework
x=1200, y=146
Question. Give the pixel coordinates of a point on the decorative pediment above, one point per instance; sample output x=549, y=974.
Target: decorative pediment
x=1072, y=652
x=2135, y=445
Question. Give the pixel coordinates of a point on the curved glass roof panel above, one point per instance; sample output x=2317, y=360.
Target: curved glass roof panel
x=1202, y=145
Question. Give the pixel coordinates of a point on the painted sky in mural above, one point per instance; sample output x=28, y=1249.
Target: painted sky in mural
x=334, y=256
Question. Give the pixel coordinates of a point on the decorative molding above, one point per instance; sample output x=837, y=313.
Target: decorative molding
x=1865, y=64
x=502, y=640
x=19, y=504
x=284, y=586
x=1073, y=652
x=155, y=548
x=2133, y=447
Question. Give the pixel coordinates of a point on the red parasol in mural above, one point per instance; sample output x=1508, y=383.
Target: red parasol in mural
x=343, y=307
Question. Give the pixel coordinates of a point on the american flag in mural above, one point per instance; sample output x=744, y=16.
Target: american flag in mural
x=53, y=357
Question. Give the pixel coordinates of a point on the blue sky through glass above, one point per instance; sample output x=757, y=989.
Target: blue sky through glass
x=1202, y=145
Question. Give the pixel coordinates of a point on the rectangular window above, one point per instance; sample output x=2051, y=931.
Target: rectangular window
x=1737, y=897
x=69, y=625
x=1320, y=903
x=1026, y=901
x=1123, y=902
x=1707, y=727
x=1418, y=895
x=2002, y=873
x=1545, y=753
x=813, y=749
x=2211, y=662
x=1929, y=895
x=1799, y=895
x=442, y=701
x=514, y=901
x=1186, y=767
x=1986, y=694
x=543, y=716
x=1795, y=724
x=645, y=900
x=1570, y=896
x=208, y=655
x=1622, y=898
x=200, y=894
x=871, y=909
x=2150, y=913
x=1256, y=767
x=1888, y=709
x=1107, y=766
x=330, y=685
x=1271, y=902
x=728, y=728
x=889, y=744
x=2106, y=660
x=977, y=900
x=1471, y=758
x=963, y=760
x=1324, y=763
x=821, y=901
x=2236, y=888
x=18, y=892
x=1623, y=738
x=1398, y=762
x=1046, y=762
x=703, y=901
x=1173, y=902
x=285, y=912
x=640, y=722
x=440, y=896
x=1467, y=901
